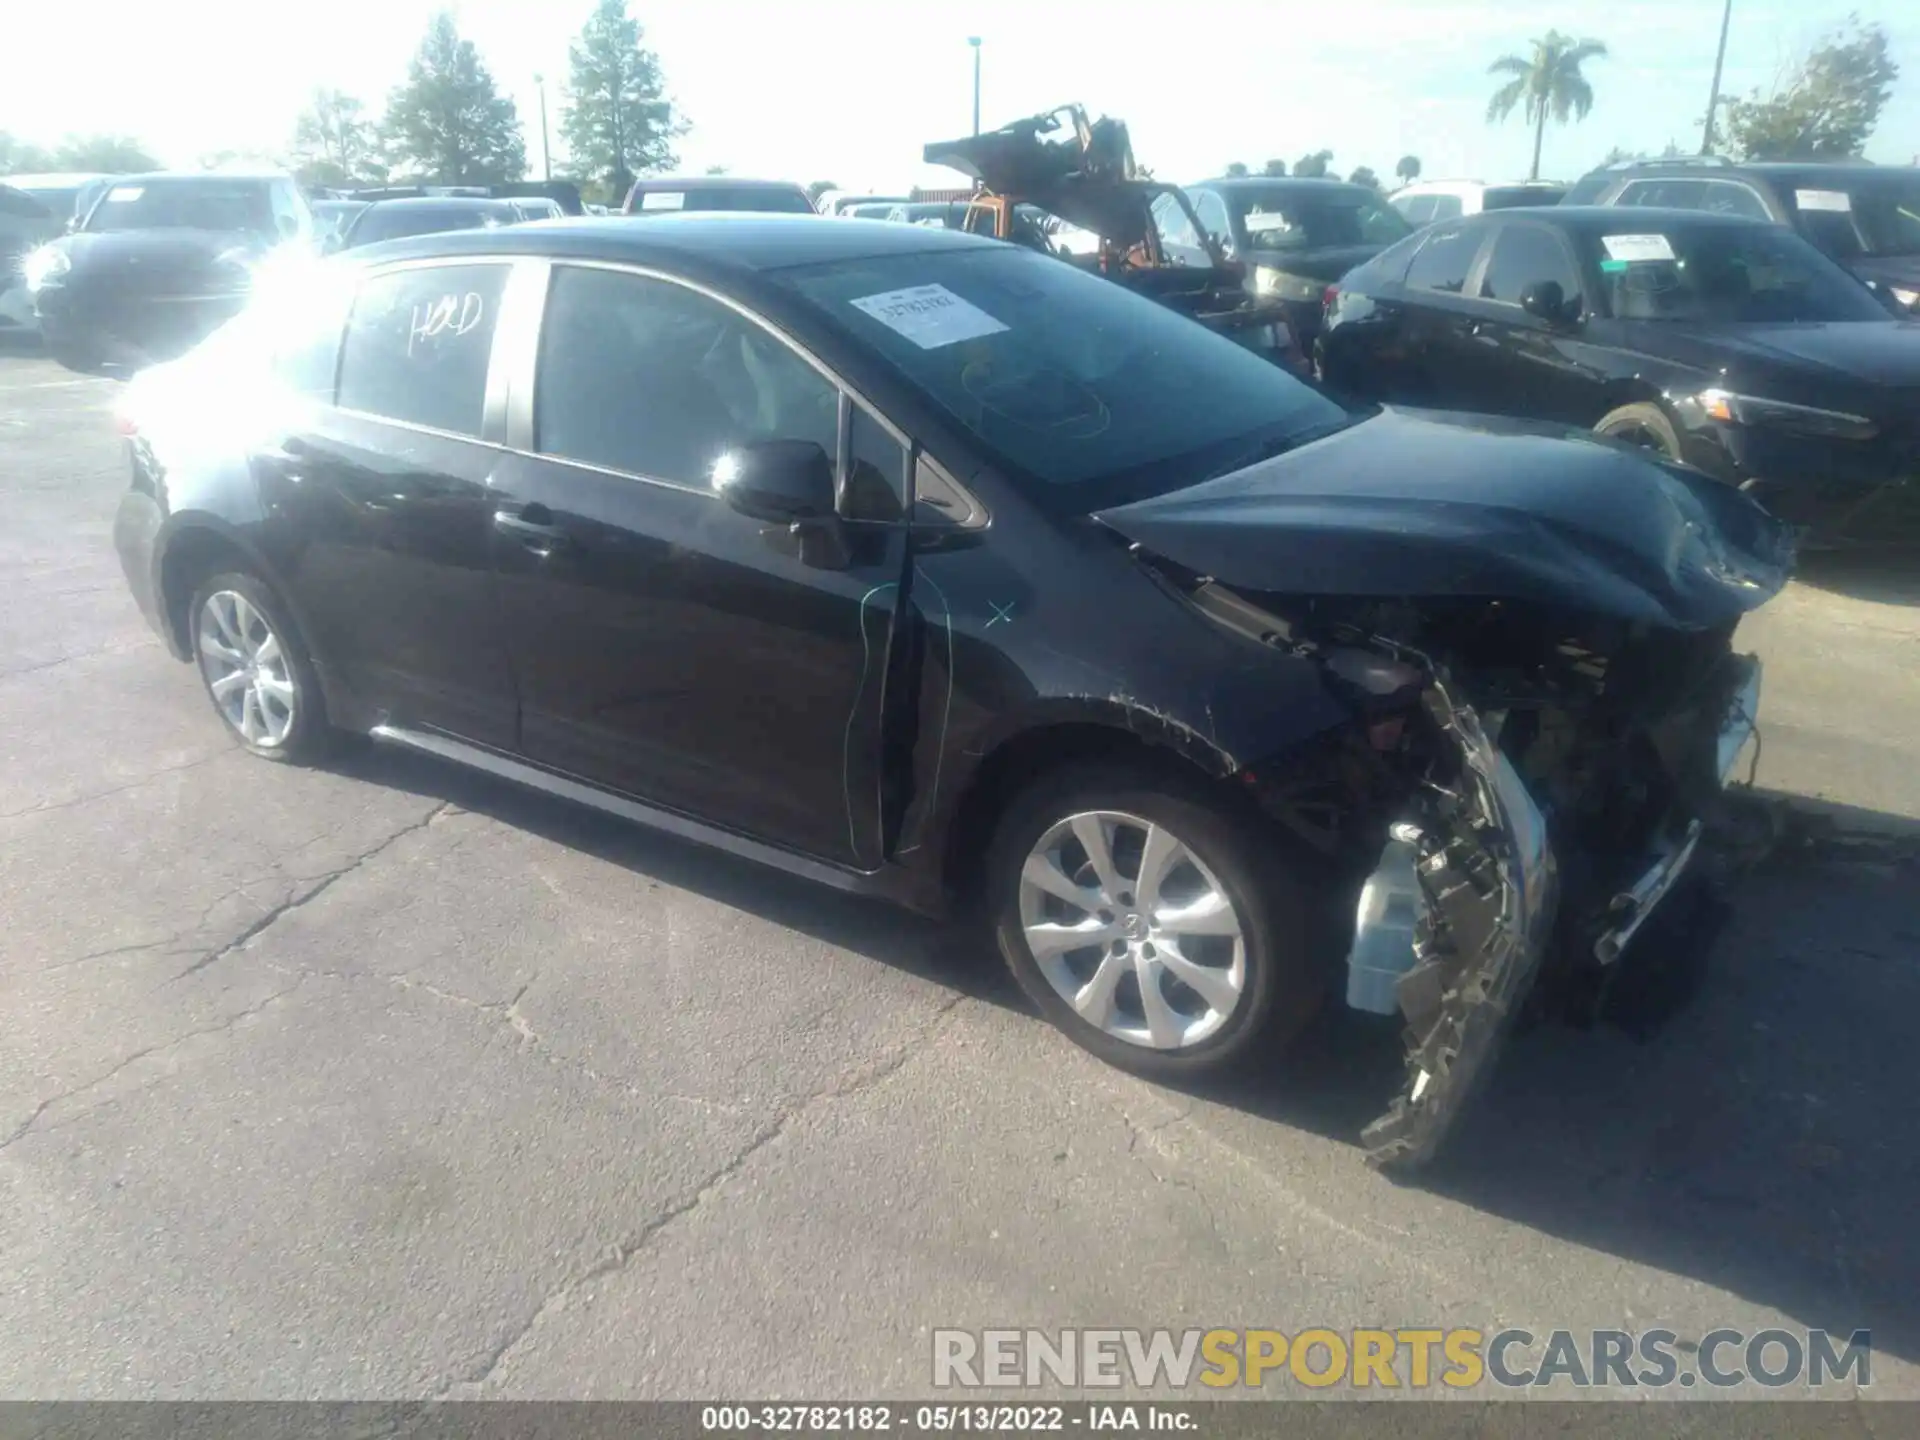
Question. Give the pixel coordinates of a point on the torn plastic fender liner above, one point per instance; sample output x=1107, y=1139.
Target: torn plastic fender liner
x=1490, y=888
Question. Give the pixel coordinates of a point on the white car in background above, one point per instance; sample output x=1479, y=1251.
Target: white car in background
x=1426, y=201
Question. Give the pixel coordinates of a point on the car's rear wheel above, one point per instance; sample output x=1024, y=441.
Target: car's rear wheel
x=1150, y=923
x=256, y=670
x=1642, y=424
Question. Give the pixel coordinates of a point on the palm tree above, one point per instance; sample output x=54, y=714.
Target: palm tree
x=1547, y=82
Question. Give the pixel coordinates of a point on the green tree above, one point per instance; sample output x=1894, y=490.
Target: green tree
x=17, y=157
x=1316, y=164
x=1364, y=176
x=1547, y=82
x=1408, y=170
x=1274, y=167
x=1237, y=169
x=617, y=119
x=108, y=154
x=1827, y=110
x=335, y=144
x=446, y=123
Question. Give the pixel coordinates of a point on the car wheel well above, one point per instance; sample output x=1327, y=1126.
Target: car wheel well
x=1009, y=769
x=1631, y=391
x=192, y=556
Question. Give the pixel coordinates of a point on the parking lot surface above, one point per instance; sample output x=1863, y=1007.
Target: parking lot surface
x=390, y=1081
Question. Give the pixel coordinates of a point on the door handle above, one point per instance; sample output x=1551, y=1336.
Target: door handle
x=533, y=527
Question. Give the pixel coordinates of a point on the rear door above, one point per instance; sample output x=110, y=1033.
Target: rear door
x=1439, y=314
x=385, y=508
x=666, y=646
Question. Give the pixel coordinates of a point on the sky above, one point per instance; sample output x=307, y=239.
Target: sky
x=850, y=91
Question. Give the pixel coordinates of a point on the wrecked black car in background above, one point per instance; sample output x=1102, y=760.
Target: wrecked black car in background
x=1089, y=180
x=1219, y=697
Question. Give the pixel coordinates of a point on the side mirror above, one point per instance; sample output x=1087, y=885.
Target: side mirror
x=1546, y=301
x=780, y=481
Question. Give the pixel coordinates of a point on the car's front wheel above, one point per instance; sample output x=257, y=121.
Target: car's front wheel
x=1643, y=424
x=256, y=670
x=1152, y=924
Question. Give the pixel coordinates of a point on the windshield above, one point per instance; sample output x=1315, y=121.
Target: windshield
x=1300, y=219
x=1743, y=274
x=381, y=222
x=61, y=201
x=183, y=205
x=1090, y=393
x=1877, y=219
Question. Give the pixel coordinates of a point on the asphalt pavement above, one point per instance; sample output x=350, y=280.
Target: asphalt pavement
x=390, y=1081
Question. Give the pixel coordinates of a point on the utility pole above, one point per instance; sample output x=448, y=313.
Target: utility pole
x=1719, y=61
x=546, y=154
x=974, y=41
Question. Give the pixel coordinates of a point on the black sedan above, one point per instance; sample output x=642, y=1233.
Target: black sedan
x=1726, y=343
x=931, y=568
x=160, y=261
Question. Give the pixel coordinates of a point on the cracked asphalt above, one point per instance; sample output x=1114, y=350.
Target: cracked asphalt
x=388, y=1081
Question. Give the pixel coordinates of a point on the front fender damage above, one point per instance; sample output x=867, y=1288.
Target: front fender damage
x=1489, y=890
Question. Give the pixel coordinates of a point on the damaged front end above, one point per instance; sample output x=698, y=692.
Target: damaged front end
x=1521, y=789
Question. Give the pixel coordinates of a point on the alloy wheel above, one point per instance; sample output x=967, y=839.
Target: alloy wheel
x=1132, y=930
x=246, y=670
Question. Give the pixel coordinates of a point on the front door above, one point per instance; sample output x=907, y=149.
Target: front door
x=388, y=491
x=1437, y=319
x=665, y=645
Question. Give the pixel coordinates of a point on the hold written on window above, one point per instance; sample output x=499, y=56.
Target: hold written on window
x=447, y=317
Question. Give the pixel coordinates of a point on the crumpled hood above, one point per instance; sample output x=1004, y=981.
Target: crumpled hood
x=1424, y=505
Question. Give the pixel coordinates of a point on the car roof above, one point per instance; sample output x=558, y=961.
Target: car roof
x=58, y=180
x=732, y=240
x=434, y=202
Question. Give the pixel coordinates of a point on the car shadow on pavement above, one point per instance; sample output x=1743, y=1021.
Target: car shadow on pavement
x=1883, y=577
x=1752, y=1129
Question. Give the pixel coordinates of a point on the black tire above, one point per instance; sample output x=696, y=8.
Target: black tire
x=1282, y=932
x=309, y=737
x=1643, y=424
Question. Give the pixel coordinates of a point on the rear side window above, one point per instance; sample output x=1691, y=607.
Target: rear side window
x=1526, y=255
x=418, y=345
x=1444, y=260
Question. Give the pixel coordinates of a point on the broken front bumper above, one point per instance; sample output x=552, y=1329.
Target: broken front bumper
x=1475, y=881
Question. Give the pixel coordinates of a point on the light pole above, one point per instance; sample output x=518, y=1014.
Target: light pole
x=974, y=41
x=546, y=154
x=1713, y=100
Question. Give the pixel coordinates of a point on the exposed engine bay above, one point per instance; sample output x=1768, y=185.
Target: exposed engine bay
x=1525, y=784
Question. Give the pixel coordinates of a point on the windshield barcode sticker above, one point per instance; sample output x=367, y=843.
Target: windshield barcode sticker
x=1823, y=200
x=663, y=200
x=929, y=315
x=1637, y=247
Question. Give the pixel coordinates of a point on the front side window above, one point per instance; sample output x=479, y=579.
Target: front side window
x=1524, y=256
x=418, y=345
x=184, y=204
x=1444, y=260
x=1170, y=219
x=1724, y=272
x=1212, y=211
x=650, y=378
x=1088, y=393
